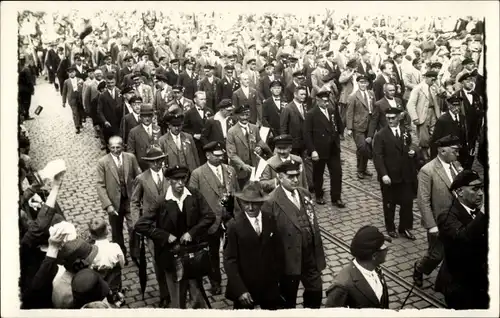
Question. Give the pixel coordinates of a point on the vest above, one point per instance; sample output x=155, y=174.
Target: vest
x=121, y=178
x=305, y=225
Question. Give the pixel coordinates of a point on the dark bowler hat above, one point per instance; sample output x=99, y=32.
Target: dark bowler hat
x=293, y=59
x=177, y=172
x=361, y=78
x=161, y=78
x=214, y=147
x=465, y=76
x=368, y=240
x=146, y=109
x=177, y=87
x=467, y=61
x=174, y=61
x=71, y=69
x=175, y=119
x=242, y=108
x=465, y=178
x=289, y=167
x=352, y=63
x=275, y=83
x=447, y=141
x=436, y=65
x=88, y=286
x=251, y=60
x=135, y=99
x=431, y=74
x=283, y=140
x=252, y=192
x=127, y=89
x=229, y=67
x=225, y=103
x=101, y=85
x=154, y=153
x=393, y=111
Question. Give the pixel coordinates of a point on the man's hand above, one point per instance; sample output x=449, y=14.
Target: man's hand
x=348, y=132
x=197, y=136
x=186, y=238
x=386, y=180
x=171, y=238
x=368, y=140
x=415, y=122
x=246, y=299
x=111, y=210
x=315, y=156
x=258, y=150
x=248, y=168
x=107, y=124
x=434, y=230
x=64, y=104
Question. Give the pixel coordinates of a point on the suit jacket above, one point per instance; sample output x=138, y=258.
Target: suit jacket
x=145, y=193
x=465, y=242
x=292, y=123
x=420, y=100
x=268, y=177
x=172, y=77
x=254, y=79
x=212, y=131
x=253, y=263
x=378, y=86
x=226, y=87
x=210, y=92
x=271, y=114
x=193, y=122
x=121, y=76
x=253, y=100
x=445, y=125
x=108, y=184
x=205, y=181
x=346, y=87
x=173, y=159
x=351, y=289
x=285, y=213
x=371, y=76
x=358, y=114
x=434, y=196
x=70, y=94
x=378, y=120
x=108, y=108
x=240, y=151
x=161, y=220
x=114, y=69
x=323, y=135
x=138, y=143
x=190, y=84
x=264, y=82
x=317, y=81
x=334, y=70
x=390, y=156
x=160, y=103
x=474, y=115
x=411, y=79
x=146, y=93
x=127, y=123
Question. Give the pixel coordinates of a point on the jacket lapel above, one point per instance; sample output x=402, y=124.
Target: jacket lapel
x=359, y=96
x=265, y=231
x=151, y=183
x=114, y=168
x=126, y=167
x=242, y=136
x=294, y=107
x=171, y=144
x=144, y=135
x=394, y=139
x=209, y=176
x=362, y=285
x=442, y=173
x=287, y=206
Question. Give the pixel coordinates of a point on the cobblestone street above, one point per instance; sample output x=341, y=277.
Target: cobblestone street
x=52, y=136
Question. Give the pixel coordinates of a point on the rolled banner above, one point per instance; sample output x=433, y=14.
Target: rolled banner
x=52, y=168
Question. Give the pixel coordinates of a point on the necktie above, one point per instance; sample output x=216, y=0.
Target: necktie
x=367, y=102
x=119, y=160
x=295, y=200
x=158, y=179
x=452, y=172
x=397, y=133
x=218, y=174
x=257, y=227
x=431, y=102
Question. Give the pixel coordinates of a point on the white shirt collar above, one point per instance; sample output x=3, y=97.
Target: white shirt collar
x=372, y=278
x=120, y=157
x=394, y=129
x=252, y=220
x=453, y=116
x=469, y=210
x=243, y=126
x=290, y=195
x=155, y=175
x=283, y=160
x=214, y=168
x=136, y=116
x=180, y=202
x=147, y=128
x=174, y=136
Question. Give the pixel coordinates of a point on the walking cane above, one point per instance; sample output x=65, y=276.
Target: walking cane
x=408, y=296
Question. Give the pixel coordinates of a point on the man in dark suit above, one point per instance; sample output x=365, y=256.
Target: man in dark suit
x=163, y=96
x=61, y=71
x=194, y=122
x=128, y=69
x=179, y=103
x=398, y=75
x=149, y=187
x=299, y=79
x=116, y=172
x=52, y=61
x=463, y=277
x=472, y=109
x=173, y=72
x=365, y=68
x=393, y=158
x=109, y=68
x=72, y=92
x=253, y=257
x=245, y=95
x=162, y=67
x=332, y=67
x=182, y=216
x=452, y=123
x=209, y=85
x=322, y=128
x=132, y=119
x=217, y=183
x=358, y=117
x=228, y=84
x=189, y=79
x=216, y=128
x=266, y=80
x=271, y=111
x=361, y=284
x=297, y=227
x=107, y=108
x=383, y=78
x=378, y=121
x=140, y=137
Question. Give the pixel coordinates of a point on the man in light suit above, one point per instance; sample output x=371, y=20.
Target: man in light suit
x=412, y=77
x=434, y=198
x=179, y=146
x=149, y=187
x=179, y=103
x=358, y=117
x=283, y=144
x=423, y=108
x=72, y=92
x=245, y=95
x=116, y=172
x=242, y=141
x=253, y=75
x=317, y=76
x=143, y=90
x=361, y=284
x=141, y=136
x=109, y=68
x=217, y=182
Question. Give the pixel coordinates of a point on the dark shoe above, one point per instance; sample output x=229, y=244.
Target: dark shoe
x=320, y=201
x=338, y=203
x=126, y=261
x=311, y=189
x=360, y=175
x=164, y=303
x=216, y=289
x=409, y=235
x=78, y=130
x=418, y=277
x=393, y=234
x=367, y=173
x=341, y=137
x=28, y=118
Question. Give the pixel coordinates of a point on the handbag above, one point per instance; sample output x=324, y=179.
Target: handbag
x=191, y=261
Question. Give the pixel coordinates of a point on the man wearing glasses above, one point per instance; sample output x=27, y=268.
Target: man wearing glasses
x=423, y=108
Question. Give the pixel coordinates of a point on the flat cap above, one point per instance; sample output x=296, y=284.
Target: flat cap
x=367, y=240
x=352, y=63
x=225, y=103
x=447, y=141
x=464, y=178
x=215, y=147
x=175, y=119
x=298, y=73
x=135, y=99
x=229, y=67
x=467, y=61
x=242, y=108
x=283, y=140
x=252, y=60
x=172, y=61
x=161, y=77
x=465, y=76
x=361, y=78
x=178, y=87
x=177, y=172
x=290, y=167
x=275, y=83
x=127, y=89
x=393, y=111
x=323, y=93
x=436, y=65
x=431, y=74
x=454, y=100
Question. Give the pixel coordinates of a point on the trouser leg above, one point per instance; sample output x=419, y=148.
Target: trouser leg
x=389, y=207
x=318, y=172
x=433, y=256
x=335, y=172
x=214, y=246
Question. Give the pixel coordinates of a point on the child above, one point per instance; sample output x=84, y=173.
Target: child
x=109, y=260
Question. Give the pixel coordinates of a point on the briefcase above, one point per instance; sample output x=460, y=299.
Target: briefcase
x=191, y=261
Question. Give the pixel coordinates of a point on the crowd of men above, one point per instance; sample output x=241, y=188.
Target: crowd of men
x=188, y=128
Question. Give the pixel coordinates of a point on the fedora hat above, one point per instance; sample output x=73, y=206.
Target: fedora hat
x=154, y=153
x=252, y=193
